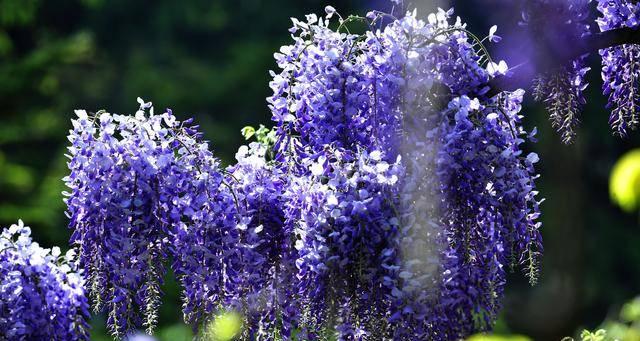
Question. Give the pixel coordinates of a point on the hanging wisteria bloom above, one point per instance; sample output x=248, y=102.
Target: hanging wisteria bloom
x=204, y=228
x=264, y=287
x=146, y=187
x=137, y=183
x=555, y=25
x=411, y=192
x=41, y=293
x=621, y=66
x=118, y=211
x=385, y=204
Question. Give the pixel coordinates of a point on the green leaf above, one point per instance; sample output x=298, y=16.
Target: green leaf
x=599, y=335
x=248, y=132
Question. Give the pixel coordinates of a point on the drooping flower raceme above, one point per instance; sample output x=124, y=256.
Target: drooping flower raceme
x=115, y=206
x=346, y=227
x=41, y=293
x=558, y=24
x=142, y=187
x=555, y=26
x=146, y=187
x=206, y=256
x=392, y=198
x=264, y=287
x=488, y=190
x=403, y=209
x=621, y=66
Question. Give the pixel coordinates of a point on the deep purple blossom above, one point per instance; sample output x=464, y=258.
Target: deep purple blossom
x=393, y=197
x=407, y=206
x=264, y=287
x=554, y=25
x=142, y=187
x=346, y=228
x=621, y=66
x=116, y=209
x=146, y=187
x=204, y=234
x=41, y=293
x=490, y=205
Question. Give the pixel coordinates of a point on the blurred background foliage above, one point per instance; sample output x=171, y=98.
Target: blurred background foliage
x=209, y=59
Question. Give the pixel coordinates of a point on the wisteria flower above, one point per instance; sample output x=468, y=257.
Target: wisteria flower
x=42, y=294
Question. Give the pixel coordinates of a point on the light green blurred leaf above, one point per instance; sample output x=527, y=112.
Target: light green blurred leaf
x=598, y=335
x=493, y=337
x=631, y=311
x=224, y=327
x=6, y=45
x=15, y=177
x=624, y=182
x=248, y=132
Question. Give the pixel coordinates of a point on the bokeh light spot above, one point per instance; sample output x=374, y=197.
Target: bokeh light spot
x=624, y=183
x=225, y=326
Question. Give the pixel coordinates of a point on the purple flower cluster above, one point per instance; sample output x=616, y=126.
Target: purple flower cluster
x=405, y=204
x=346, y=224
x=145, y=189
x=116, y=202
x=559, y=23
x=263, y=288
x=489, y=196
x=142, y=187
x=41, y=292
x=386, y=203
x=621, y=66
x=204, y=231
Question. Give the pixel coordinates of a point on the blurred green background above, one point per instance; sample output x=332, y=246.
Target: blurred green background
x=210, y=60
